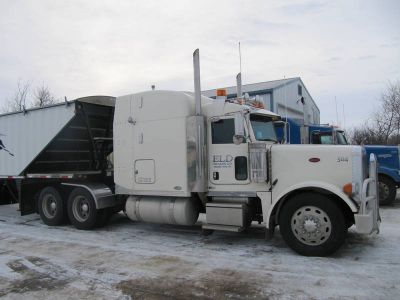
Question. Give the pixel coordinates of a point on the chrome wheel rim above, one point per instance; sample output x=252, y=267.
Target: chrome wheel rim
x=383, y=191
x=81, y=208
x=311, y=225
x=49, y=206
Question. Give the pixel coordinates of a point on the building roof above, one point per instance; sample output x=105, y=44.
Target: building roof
x=259, y=88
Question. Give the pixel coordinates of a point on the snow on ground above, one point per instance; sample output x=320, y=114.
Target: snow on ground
x=127, y=260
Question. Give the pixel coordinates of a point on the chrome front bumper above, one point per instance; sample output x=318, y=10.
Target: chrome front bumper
x=367, y=220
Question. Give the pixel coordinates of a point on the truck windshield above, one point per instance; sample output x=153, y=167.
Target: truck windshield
x=263, y=128
x=341, y=138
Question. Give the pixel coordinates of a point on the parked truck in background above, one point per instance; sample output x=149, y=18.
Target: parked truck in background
x=388, y=158
x=178, y=154
x=294, y=131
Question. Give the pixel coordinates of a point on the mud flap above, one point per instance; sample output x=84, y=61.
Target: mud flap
x=27, y=196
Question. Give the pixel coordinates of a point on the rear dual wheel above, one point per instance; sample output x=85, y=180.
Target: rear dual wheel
x=82, y=210
x=51, y=207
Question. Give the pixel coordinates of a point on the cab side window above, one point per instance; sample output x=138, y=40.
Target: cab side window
x=222, y=131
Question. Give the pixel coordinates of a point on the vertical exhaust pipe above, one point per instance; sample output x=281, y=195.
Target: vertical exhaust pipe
x=239, y=85
x=197, y=88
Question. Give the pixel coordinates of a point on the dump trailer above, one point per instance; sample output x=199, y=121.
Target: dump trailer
x=52, y=149
x=178, y=154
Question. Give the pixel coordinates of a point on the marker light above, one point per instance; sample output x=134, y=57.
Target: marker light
x=348, y=189
x=221, y=93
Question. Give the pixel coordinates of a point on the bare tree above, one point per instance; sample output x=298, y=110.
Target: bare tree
x=363, y=135
x=18, y=101
x=384, y=126
x=42, y=97
x=391, y=105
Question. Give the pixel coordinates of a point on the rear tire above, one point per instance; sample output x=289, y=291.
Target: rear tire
x=82, y=210
x=51, y=207
x=312, y=224
x=387, y=190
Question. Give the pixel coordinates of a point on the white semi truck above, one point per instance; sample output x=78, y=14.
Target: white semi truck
x=179, y=154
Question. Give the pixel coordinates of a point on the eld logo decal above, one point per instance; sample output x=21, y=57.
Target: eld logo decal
x=2, y=147
x=222, y=161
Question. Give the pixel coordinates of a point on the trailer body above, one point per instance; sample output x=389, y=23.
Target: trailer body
x=63, y=142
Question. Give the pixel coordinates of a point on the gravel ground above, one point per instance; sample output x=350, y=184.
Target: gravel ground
x=127, y=260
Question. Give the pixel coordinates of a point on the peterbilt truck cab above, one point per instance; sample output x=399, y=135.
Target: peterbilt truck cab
x=225, y=162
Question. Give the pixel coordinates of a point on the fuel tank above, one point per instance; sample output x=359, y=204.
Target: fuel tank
x=163, y=210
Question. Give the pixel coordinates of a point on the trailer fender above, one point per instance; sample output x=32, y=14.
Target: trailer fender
x=102, y=194
x=314, y=185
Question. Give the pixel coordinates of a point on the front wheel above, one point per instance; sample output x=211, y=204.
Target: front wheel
x=387, y=190
x=312, y=224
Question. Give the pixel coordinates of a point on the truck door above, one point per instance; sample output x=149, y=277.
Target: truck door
x=228, y=163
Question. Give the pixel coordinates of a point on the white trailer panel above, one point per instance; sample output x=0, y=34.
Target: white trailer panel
x=24, y=135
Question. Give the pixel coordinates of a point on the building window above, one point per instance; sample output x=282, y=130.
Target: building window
x=300, y=90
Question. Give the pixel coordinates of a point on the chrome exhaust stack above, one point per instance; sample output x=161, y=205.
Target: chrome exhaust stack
x=239, y=86
x=197, y=88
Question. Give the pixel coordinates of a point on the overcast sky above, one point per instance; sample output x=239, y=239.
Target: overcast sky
x=347, y=49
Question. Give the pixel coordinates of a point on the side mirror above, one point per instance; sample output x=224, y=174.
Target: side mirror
x=238, y=138
x=280, y=124
x=280, y=130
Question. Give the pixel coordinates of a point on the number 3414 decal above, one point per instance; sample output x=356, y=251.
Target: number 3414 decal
x=342, y=159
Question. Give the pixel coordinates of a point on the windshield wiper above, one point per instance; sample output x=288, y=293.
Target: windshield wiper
x=268, y=140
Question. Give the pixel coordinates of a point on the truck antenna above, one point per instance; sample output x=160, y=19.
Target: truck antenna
x=240, y=60
x=337, y=115
x=344, y=118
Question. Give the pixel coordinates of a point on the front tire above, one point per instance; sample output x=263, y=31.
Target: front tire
x=387, y=190
x=312, y=224
x=51, y=207
x=82, y=210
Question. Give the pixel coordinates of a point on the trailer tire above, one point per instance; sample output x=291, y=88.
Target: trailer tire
x=387, y=190
x=51, y=207
x=312, y=224
x=82, y=211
